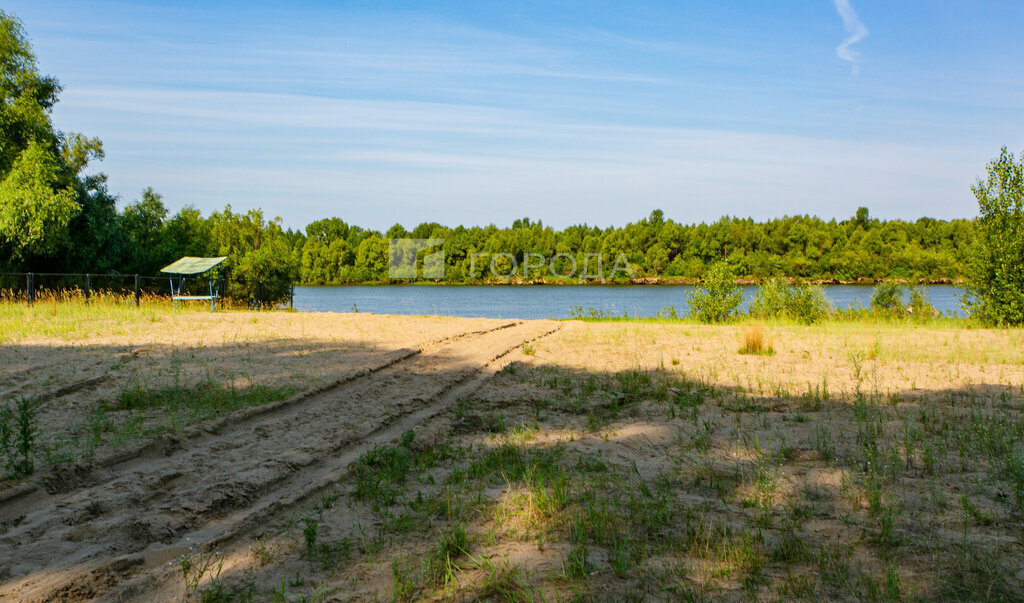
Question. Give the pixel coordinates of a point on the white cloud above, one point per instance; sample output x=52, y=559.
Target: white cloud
x=856, y=31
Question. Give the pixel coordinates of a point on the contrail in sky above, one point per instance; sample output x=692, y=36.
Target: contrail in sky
x=857, y=31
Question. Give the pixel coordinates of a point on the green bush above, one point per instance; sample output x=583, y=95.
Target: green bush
x=920, y=307
x=887, y=299
x=718, y=297
x=770, y=299
x=776, y=299
x=807, y=303
x=265, y=275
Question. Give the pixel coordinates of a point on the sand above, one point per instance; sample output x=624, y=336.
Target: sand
x=740, y=448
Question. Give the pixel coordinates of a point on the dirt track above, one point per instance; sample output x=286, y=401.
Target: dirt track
x=108, y=528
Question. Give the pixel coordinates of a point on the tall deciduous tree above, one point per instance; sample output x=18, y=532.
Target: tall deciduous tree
x=995, y=292
x=34, y=207
x=39, y=188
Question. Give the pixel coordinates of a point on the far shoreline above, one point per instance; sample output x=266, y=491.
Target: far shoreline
x=643, y=281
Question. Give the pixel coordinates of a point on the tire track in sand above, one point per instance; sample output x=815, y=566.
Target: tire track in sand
x=64, y=478
x=125, y=529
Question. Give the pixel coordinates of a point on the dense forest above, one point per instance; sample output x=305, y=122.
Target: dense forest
x=55, y=216
x=144, y=236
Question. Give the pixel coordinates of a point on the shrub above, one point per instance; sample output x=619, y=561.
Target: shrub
x=770, y=299
x=717, y=298
x=776, y=299
x=807, y=303
x=920, y=307
x=887, y=298
x=265, y=275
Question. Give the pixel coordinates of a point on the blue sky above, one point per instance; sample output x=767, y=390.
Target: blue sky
x=597, y=112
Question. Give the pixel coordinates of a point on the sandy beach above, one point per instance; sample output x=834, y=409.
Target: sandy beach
x=360, y=457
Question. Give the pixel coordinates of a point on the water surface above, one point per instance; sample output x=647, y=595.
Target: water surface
x=551, y=301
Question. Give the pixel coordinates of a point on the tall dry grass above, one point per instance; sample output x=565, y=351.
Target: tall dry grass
x=755, y=341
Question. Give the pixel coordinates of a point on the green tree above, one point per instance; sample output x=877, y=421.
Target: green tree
x=718, y=297
x=35, y=205
x=265, y=274
x=262, y=263
x=40, y=191
x=143, y=224
x=995, y=291
x=372, y=258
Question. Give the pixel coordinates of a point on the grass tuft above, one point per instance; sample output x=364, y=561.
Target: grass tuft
x=756, y=342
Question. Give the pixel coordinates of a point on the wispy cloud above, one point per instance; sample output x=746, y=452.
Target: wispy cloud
x=378, y=162
x=856, y=31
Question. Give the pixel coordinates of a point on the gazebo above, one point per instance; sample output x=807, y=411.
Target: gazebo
x=195, y=267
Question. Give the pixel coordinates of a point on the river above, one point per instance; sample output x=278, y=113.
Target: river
x=552, y=301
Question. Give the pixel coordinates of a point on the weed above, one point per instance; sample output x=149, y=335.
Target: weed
x=403, y=588
x=309, y=534
x=776, y=299
x=576, y=565
x=261, y=552
x=439, y=565
x=974, y=513
x=18, y=433
x=887, y=299
x=823, y=443
x=194, y=565
x=381, y=472
x=718, y=297
x=528, y=349
x=504, y=583
x=6, y=436
x=790, y=546
x=978, y=575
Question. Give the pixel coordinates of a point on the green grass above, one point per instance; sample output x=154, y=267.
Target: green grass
x=668, y=316
x=139, y=412
x=440, y=565
x=204, y=400
x=381, y=473
x=69, y=316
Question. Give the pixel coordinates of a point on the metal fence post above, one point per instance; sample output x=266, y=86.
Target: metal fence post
x=87, y=288
x=29, y=294
x=136, y=290
x=291, y=300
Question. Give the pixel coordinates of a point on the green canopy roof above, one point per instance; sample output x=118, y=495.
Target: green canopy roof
x=189, y=265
